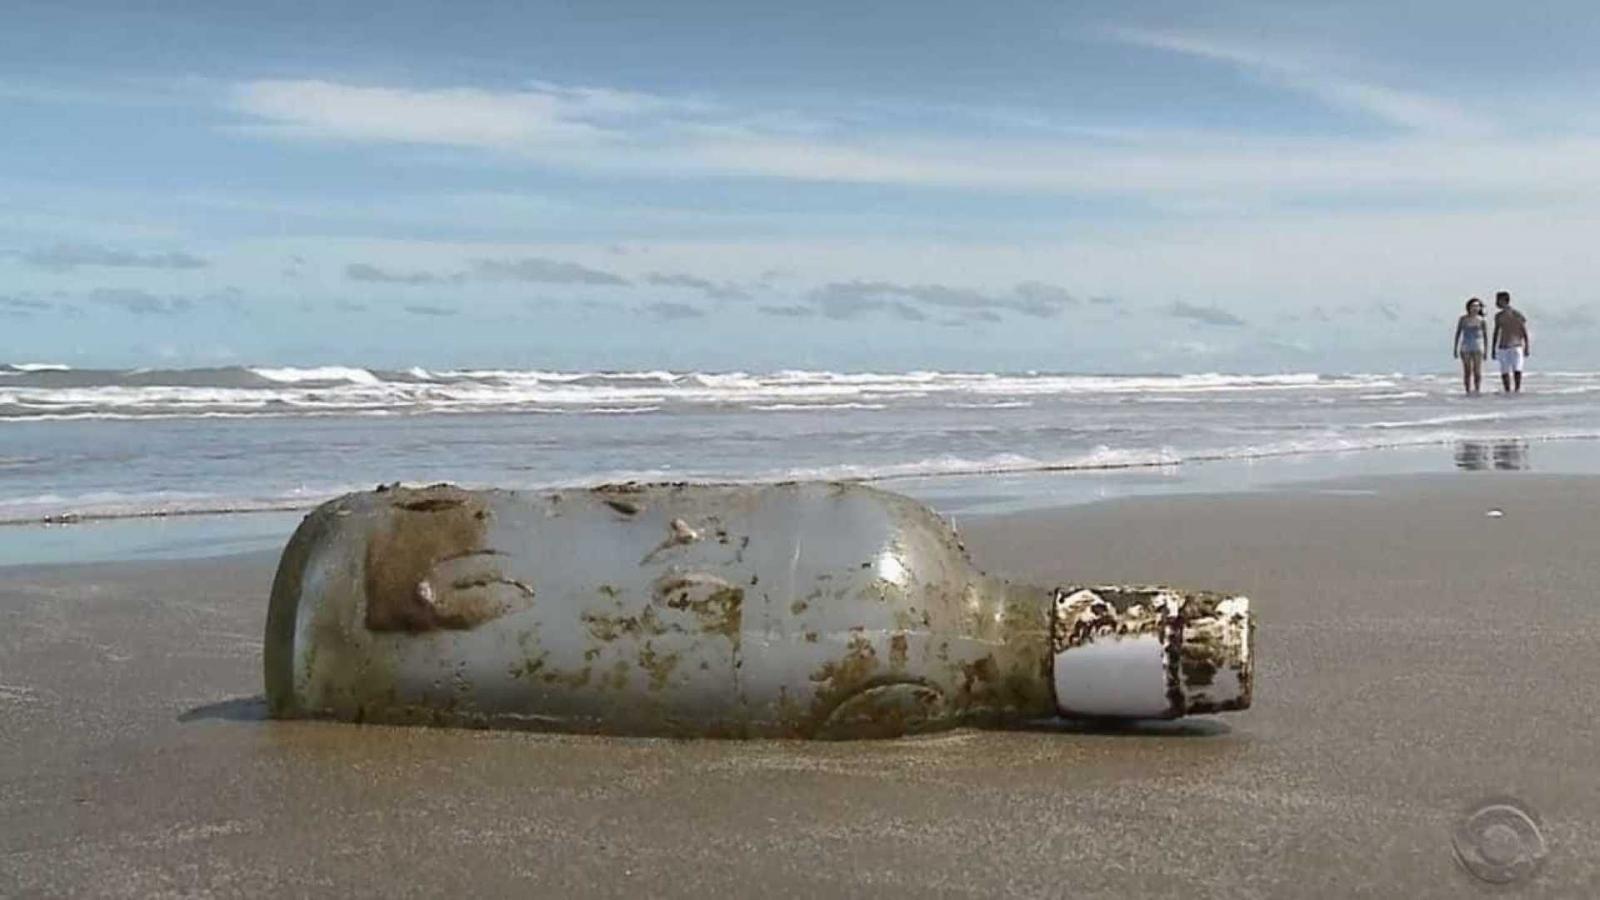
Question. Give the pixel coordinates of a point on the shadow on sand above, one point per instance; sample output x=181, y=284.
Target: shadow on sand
x=1193, y=727
x=254, y=709
x=238, y=709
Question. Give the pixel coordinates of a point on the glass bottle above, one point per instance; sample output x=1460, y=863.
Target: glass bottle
x=787, y=610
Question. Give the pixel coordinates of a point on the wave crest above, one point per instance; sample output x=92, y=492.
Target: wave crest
x=45, y=391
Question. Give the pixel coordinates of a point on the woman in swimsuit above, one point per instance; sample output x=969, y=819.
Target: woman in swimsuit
x=1471, y=340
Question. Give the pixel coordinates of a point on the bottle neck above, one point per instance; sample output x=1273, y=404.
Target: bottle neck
x=1142, y=652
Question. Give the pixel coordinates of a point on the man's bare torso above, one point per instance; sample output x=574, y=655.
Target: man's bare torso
x=1512, y=327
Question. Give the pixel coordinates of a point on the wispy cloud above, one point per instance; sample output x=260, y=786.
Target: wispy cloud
x=471, y=117
x=534, y=270
x=376, y=275
x=787, y=311
x=848, y=298
x=23, y=307
x=836, y=304
x=669, y=311
x=1207, y=315
x=543, y=271
x=139, y=302
x=645, y=135
x=1036, y=298
x=542, y=115
x=65, y=257
x=423, y=309
x=713, y=290
x=1319, y=78
x=1185, y=348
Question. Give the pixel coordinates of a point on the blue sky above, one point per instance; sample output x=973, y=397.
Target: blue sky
x=1092, y=187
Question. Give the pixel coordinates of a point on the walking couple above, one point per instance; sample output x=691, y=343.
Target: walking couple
x=1510, y=342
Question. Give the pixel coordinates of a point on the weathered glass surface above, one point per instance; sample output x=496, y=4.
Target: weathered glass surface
x=800, y=610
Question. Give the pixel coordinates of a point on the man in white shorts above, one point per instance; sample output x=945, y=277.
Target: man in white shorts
x=1510, y=342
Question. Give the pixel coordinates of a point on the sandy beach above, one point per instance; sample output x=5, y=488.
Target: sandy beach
x=1416, y=656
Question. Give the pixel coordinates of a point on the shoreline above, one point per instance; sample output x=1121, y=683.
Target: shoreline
x=1415, y=657
x=190, y=534
x=975, y=472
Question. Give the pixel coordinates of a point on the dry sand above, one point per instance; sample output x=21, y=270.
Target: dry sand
x=1415, y=657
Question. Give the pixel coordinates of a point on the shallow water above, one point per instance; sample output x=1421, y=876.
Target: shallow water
x=957, y=497
x=99, y=443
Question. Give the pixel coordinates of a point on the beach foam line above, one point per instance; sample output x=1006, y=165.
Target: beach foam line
x=220, y=509
x=319, y=373
x=1108, y=462
x=197, y=392
x=808, y=407
x=229, y=376
x=1460, y=419
x=15, y=368
x=1399, y=395
x=1103, y=459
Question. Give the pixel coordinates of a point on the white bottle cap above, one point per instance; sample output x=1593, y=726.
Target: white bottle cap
x=1150, y=652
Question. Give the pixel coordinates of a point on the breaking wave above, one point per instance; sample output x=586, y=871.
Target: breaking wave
x=88, y=443
x=55, y=392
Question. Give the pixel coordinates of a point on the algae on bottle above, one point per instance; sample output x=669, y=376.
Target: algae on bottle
x=789, y=610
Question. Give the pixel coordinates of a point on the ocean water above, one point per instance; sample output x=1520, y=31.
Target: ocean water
x=112, y=444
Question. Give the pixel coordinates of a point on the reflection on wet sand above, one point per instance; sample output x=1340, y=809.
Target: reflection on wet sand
x=1505, y=455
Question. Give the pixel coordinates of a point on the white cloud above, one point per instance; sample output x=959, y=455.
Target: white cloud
x=461, y=116
x=597, y=129
x=1218, y=173
x=845, y=299
x=1318, y=77
x=541, y=117
x=595, y=102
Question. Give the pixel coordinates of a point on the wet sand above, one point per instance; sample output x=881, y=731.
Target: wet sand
x=1415, y=656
